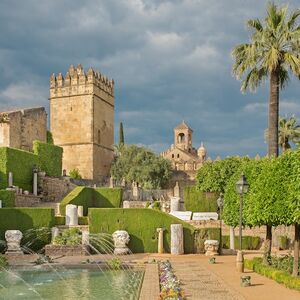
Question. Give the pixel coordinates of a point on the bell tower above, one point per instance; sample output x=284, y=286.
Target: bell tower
x=183, y=137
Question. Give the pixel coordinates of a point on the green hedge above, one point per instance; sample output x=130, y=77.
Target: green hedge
x=49, y=158
x=203, y=234
x=61, y=220
x=279, y=276
x=21, y=164
x=25, y=218
x=141, y=224
x=197, y=201
x=108, y=198
x=8, y=198
x=248, y=242
x=90, y=197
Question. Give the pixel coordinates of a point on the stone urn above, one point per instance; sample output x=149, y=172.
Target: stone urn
x=13, y=240
x=211, y=247
x=121, y=238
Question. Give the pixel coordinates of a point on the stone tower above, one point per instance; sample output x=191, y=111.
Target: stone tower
x=183, y=137
x=82, y=120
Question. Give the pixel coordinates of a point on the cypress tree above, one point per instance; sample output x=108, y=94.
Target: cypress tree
x=121, y=135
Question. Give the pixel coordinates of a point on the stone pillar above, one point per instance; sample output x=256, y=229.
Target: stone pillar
x=54, y=233
x=135, y=191
x=0, y=203
x=126, y=204
x=35, y=183
x=111, y=182
x=177, y=239
x=175, y=204
x=10, y=179
x=160, y=246
x=123, y=183
x=85, y=238
x=231, y=237
x=13, y=240
x=80, y=211
x=71, y=215
x=177, y=190
x=240, y=261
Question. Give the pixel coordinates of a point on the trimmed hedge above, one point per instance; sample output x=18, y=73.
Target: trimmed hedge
x=21, y=164
x=90, y=197
x=197, y=201
x=61, y=220
x=49, y=158
x=108, y=198
x=25, y=218
x=8, y=198
x=279, y=276
x=141, y=224
x=248, y=242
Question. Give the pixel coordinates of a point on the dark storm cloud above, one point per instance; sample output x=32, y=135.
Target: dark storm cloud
x=170, y=60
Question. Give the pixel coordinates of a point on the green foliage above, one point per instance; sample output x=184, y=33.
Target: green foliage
x=3, y=262
x=213, y=176
x=279, y=276
x=49, y=138
x=141, y=224
x=35, y=239
x=203, y=234
x=114, y=263
x=49, y=158
x=248, y=242
x=43, y=259
x=75, y=174
x=284, y=263
x=283, y=242
x=153, y=204
x=69, y=237
x=25, y=218
x=251, y=168
x=90, y=197
x=197, y=201
x=121, y=135
x=8, y=198
x=141, y=165
x=20, y=163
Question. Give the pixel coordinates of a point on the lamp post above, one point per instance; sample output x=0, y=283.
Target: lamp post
x=241, y=188
x=220, y=202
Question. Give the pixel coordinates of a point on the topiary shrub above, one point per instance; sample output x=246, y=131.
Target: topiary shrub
x=283, y=242
x=74, y=174
x=248, y=242
x=8, y=198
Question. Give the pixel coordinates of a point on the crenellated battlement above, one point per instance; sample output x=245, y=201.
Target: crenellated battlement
x=77, y=81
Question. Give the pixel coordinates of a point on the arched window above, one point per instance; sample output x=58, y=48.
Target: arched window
x=181, y=138
x=177, y=155
x=99, y=138
x=172, y=155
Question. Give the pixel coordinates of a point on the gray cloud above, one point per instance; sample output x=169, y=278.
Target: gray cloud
x=170, y=60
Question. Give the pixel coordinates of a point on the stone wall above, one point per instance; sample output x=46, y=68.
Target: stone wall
x=82, y=121
x=27, y=200
x=23, y=127
x=55, y=189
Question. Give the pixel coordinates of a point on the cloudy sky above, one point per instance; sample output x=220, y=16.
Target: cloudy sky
x=170, y=60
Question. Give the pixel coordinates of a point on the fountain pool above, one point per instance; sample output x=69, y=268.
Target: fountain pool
x=70, y=284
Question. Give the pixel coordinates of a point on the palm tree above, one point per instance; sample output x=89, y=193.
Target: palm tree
x=273, y=52
x=288, y=131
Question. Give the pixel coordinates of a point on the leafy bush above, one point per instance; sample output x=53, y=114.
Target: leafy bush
x=8, y=198
x=141, y=225
x=49, y=138
x=49, y=158
x=248, y=242
x=69, y=237
x=35, y=239
x=203, y=234
x=114, y=263
x=153, y=204
x=3, y=262
x=284, y=263
x=197, y=201
x=283, y=242
x=283, y=277
x=75, y=174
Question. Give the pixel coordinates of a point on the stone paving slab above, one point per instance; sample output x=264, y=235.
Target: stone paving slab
x=150, y=287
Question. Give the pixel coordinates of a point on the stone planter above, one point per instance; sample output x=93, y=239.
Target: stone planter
x=121, y=238
x=13, y=240
x=57, y=250
x=211, y=247
x=245, y=281
x=212, y=260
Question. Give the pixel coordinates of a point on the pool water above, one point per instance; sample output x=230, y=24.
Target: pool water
x=70, y=284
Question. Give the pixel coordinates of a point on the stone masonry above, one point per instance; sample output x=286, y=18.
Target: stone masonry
x=82, y=120
x=18, y=129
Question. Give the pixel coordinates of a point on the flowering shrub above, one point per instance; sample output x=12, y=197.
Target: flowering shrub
x=169, y=284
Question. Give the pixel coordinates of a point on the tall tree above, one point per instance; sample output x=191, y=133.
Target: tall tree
x=288, y=131
x=121, y=134
x=273, y=52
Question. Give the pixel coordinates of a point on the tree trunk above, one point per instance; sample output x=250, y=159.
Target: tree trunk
x=296, y=251
x=273, y=114
x=268, y=244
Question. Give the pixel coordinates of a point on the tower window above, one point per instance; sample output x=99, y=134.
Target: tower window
x=71, y=108
x=99, y=137
x=177, y=155
x=172, y=155
x=181, y=138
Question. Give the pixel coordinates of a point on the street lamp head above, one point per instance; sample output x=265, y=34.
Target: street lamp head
x=220, y=201
x=242, y=185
